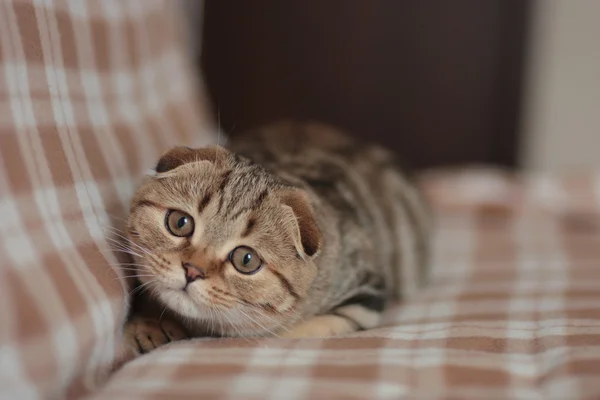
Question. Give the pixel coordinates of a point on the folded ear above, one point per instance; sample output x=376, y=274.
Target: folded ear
x=178, y=156
x=310, y=235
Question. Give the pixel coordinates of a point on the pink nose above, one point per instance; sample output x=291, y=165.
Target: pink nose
x=192, y=272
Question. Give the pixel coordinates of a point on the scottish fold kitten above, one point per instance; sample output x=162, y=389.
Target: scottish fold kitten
x=294, y=230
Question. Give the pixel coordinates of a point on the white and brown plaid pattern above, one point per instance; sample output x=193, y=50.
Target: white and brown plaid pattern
x=91, y=92
x=513, y=311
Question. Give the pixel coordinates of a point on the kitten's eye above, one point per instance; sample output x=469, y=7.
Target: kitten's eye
x=179, y=223
x=245, y=260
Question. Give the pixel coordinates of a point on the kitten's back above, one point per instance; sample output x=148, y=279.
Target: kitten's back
x=380, y=218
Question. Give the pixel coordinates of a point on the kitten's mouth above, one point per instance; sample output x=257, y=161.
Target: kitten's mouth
x=185, y=287
x=184, y=292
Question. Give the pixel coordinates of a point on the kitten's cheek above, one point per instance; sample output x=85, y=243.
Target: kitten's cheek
x=287, y=303
x=196, y=294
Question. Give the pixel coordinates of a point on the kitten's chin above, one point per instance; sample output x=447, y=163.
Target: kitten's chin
x=203, y=318
x=181, y=303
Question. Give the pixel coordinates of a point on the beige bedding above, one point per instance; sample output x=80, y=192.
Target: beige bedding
x=92, y=91
x=512, y=312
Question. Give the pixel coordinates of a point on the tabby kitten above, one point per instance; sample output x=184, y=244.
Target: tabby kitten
x=294, y=231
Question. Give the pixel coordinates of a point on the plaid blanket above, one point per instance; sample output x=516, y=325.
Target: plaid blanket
x=512, y=311
x=91, y=92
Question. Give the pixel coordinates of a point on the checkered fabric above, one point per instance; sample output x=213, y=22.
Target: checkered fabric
x=91, y=92
x=513, y=311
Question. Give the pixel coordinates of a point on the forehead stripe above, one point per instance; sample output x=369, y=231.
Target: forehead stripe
x=204, y=202
x=285, y=283
x=146, y=203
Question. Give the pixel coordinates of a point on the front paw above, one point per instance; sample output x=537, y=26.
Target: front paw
x=320, y=327
x=146, y=334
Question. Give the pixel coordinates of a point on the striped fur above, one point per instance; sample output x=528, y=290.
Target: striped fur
x=340, y=228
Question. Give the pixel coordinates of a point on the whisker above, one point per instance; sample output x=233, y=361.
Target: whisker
x=142, y=287
x=133, y=276
x=269, y=318
x=131, y=242
x=224, y=314
x=112, y=252
x=239, y=334
x=161, y=314
x=212, y=316
x=111, y=228
x=124, y=268
x=117, y=265
x=258, y=323
x=126, y=271
x=122, y=250
x=152, y=294
x=140, y=275
x=119, y=233
x=116, y=217
x=130, y=264
x=218, y=127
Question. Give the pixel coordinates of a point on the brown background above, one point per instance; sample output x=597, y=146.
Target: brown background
x=437, y=80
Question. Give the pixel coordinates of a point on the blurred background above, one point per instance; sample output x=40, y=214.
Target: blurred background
x=513, y=83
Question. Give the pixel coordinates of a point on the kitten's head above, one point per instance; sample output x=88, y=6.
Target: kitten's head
x=220, y=239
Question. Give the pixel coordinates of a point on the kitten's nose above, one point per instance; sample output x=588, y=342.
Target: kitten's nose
x=192, y=272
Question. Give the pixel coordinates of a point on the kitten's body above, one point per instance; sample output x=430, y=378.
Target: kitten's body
x=374, y=222
x=358, y=237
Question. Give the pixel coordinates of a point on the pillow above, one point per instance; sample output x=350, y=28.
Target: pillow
x=91, y=93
